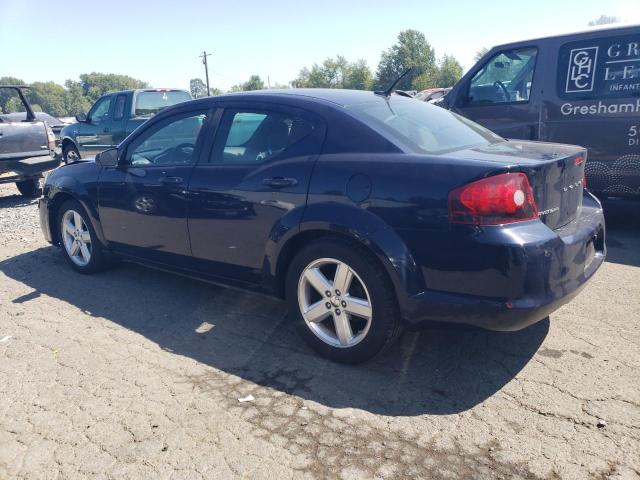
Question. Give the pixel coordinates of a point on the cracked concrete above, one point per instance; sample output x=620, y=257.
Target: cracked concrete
x=137, y=374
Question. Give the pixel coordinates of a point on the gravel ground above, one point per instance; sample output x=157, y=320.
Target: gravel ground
x=137, y=374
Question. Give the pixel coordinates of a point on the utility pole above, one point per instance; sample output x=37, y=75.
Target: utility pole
x=206, y=70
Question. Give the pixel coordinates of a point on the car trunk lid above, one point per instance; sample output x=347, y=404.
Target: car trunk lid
x=555, y=173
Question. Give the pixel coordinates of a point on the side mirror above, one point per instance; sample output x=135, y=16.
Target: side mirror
x=81, y=117
x=108, y=158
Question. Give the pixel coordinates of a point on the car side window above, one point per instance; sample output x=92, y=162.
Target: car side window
x=172, y=141
x=505, y=78
x=254, y=137
x=118, y=110
x=100, y=111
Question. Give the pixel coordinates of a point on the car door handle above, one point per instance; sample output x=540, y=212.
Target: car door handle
x=280, y=182
x=171, y=180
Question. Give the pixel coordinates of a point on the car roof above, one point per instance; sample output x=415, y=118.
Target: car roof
x=597, y=29
x=335, y=96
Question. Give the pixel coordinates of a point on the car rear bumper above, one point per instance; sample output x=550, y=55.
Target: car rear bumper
x=17, y=170
x=43, y=211
x=539, y=269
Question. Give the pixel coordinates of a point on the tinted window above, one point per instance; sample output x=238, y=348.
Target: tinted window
x=255, y=137
x=118, y=111
x=505, y=78
x=171, y=142
x=150, y=103
x=600, y=68
x=100, y=110
x=421, y=127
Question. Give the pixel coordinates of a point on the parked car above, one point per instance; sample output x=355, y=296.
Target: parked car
x=55, y=123
x=27, y=147
x=432, y=94
x=365, y=211
x=581, y=88
x=114, y=116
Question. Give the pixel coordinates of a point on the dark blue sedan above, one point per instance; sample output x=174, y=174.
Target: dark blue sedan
x=367, y=212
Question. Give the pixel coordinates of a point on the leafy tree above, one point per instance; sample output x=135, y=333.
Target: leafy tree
x=96, y=84
x=6, y=94
x=198, y=88
x=449, y=71
x=410, y=51
x=481, y=53
x=76, y=102
x=254, y=83
x=51, y=97
x=603, y=20
x=14, y=104
x=335, y=73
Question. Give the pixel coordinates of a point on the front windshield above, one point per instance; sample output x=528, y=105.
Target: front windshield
x=423, y=128
x=150, y=103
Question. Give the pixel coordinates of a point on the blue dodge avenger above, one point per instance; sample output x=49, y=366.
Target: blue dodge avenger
x=366, y=211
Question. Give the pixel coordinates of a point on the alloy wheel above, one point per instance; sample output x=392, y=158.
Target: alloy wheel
x=76, y=238
x=334, y=302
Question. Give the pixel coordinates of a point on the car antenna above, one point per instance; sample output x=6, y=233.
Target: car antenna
x=387, y=92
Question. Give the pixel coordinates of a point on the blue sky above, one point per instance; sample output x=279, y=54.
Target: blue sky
x=160, y=41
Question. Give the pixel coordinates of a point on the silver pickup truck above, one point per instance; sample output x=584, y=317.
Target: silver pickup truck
x=27, y=148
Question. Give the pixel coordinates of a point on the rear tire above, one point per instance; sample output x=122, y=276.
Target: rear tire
x=78, y=239
x=351, y=325
x=30, y=188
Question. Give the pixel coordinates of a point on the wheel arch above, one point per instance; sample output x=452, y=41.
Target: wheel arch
x=364, y=229
x=57, y=200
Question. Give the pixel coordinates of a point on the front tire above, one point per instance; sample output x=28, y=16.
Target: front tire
x=70, y=154
x=30, y=188
x=79, y=242
x=342, y=301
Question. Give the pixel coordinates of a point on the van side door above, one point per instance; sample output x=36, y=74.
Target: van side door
x=501, y=94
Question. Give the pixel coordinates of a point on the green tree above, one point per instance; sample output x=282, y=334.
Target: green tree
x=7, y=94
x=198, y=88
x=480, y=53
x=603, y=20
x=76, y=101
x=51, y=97
x=254, y=83
x=410, y=51
x=449, y=71
x=335, y=72
x=96, y=84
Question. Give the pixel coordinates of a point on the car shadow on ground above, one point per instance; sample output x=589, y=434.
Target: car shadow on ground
x=14, y=201
x=623, y=231
x=434, y=371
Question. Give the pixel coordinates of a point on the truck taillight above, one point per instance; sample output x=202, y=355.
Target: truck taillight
x=504, y=198
x=51, y=138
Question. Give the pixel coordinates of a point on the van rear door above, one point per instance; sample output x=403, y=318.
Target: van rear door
x=500, y=93
x=595, y=102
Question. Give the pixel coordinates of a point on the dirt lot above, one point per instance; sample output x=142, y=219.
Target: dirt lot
x=137, y=374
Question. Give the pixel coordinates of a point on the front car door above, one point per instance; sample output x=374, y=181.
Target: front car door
x=94, y=134
x=252, y=187
x=502, y=94
x=143, y=201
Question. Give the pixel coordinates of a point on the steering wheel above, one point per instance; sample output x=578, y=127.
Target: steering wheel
x=498, y=83
x=183, y=151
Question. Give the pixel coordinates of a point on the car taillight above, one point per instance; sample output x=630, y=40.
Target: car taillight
x=504, y=198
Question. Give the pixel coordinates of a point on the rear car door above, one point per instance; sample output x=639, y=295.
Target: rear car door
x=94, y=134
x=143, y=201
x=252, y=187
x=502, y=94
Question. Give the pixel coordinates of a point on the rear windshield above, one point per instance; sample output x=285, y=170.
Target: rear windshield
x=423, y=128
x=150, y=103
